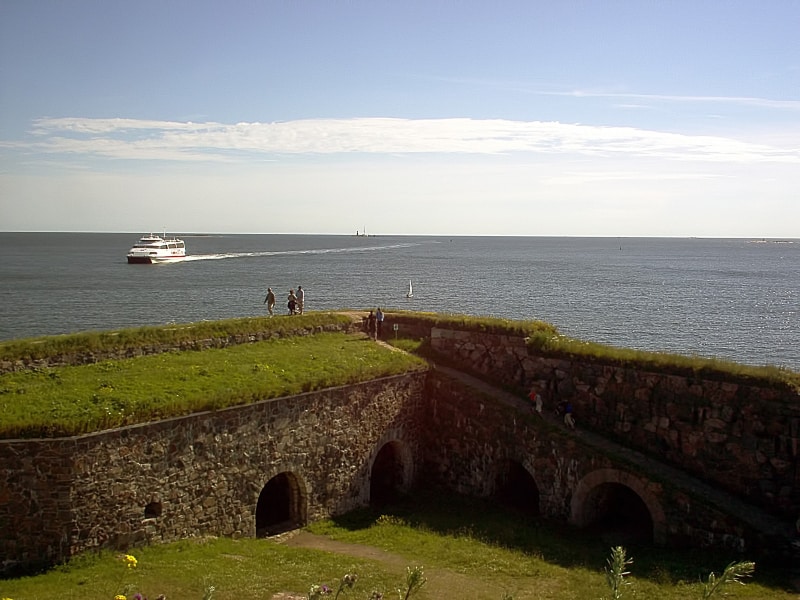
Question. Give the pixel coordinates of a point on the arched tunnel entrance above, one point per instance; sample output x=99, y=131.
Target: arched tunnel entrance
x=617, y=514
x=281, y=506
x=387, y=478
x=516, y=488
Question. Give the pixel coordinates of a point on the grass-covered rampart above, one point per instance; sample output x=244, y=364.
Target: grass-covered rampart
x=53, y=402
x=70, y=400
x=544, y=338
x=100, y=342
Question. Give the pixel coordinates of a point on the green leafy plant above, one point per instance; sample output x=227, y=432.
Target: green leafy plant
x=616, y=573
x=733, y=573
x=347, y=582
x=415, y=579
x=209, y=593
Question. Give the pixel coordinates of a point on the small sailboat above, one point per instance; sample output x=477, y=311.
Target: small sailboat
x=410, y=293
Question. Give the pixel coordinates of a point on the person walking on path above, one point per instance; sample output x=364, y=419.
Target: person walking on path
x=569, y=421
x=292, y=302
x=371, y=325
x=301, y=298
x=379, y=322
x=270, y=300
x=536, y=400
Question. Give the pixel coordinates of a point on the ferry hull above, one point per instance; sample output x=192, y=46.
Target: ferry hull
x=139, y=260
x=152, y=260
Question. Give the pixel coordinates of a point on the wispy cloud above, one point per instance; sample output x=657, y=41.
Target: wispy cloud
x=721, y=100
x=187, y=141
x=641, y=99
x=646, y=176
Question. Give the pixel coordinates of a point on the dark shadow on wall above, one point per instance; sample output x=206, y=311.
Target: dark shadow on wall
x=617, y=514
x=515, y=488
x=386, y=478
x=281, y=506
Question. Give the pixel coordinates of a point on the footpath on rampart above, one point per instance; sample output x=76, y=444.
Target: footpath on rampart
x=753, y=516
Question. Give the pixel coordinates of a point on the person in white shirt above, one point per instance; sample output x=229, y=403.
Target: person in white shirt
x=536, y=400
x=270, y=300
x=379, y=319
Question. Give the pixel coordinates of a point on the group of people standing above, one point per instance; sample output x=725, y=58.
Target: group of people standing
x=564, y=409
x=374, y=323
x=295, y=302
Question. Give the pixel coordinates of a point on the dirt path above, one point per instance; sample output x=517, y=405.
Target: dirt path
x=441, y=581
x=303, y=539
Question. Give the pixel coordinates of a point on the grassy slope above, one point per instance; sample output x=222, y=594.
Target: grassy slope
x=74, y=400
x=140, y=337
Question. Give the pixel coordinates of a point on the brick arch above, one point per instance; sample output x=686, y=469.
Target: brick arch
x=579, y=513
x=282, y=504
x=391, y=465
x=514, y=482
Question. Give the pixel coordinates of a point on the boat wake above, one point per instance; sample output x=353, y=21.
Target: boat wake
x=227, y=255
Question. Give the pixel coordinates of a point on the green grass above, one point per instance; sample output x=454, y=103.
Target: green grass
x=469, y=549
x=247, y=569
x=542, y=337
x=410, y=345
x=477, y=537
x=135, y=338
x=73, y=400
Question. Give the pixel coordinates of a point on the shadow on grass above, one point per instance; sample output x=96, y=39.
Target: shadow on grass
x=557, y=543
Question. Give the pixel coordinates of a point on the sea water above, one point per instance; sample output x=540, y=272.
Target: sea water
x=734, y=299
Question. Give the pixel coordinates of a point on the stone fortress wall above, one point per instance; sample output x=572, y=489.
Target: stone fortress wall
x=207, y=473
x=256, y=469
x=738, y=435
x=474, y=448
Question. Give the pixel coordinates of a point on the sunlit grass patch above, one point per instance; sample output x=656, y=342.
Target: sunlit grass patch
x=73, y=400
x=164, y=335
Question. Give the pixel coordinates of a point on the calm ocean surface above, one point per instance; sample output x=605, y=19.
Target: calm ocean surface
x=729, y=298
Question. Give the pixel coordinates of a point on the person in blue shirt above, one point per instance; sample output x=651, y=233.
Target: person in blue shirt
x=569, y=421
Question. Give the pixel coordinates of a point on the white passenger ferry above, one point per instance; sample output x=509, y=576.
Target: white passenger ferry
x=155, y=249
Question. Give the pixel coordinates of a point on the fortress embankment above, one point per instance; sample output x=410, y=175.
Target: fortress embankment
x=668, y=457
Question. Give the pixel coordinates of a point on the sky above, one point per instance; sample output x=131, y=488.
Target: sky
x=436, y=117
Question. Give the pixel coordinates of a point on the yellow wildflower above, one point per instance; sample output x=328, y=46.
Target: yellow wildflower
x=120, y=597
x=130, y=561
